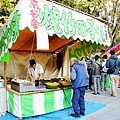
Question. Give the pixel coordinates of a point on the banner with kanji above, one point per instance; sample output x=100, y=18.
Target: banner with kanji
x=51, y=18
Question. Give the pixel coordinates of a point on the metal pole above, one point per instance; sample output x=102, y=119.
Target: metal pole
x=5, y=86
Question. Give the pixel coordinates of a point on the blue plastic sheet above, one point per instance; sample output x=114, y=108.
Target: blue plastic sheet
x=59, y=115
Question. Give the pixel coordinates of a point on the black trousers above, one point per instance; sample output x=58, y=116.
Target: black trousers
x=90, y=77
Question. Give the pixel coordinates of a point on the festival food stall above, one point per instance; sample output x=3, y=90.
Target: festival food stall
x=51, y=34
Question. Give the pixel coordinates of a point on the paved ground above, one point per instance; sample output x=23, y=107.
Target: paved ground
x=110, y=112
x=112, y=109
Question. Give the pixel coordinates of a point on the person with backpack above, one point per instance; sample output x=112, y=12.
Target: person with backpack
x=113, y=65
x=96, y=71
x=104, y=74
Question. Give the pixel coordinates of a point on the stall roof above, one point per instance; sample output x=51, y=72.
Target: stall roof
x=28, y=42
x=41, y=21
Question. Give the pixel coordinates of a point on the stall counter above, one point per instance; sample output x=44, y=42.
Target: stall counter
x=37, y=103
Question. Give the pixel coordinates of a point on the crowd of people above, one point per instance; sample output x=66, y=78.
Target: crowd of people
x=92, y=73
x=97, y=69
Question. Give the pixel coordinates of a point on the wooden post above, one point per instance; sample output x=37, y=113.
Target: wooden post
x=5, y=85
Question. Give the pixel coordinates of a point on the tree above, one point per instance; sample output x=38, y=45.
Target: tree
x=6, y=7
x=112, y=15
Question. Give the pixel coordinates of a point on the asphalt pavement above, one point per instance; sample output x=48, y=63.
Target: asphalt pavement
x=112, y=109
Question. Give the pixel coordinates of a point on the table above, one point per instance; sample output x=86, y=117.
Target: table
x=37, y=102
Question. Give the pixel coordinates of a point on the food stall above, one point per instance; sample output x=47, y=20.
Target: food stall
x=51, y=34
x=38, y=102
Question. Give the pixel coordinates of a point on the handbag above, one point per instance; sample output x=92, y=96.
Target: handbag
x=111, y=69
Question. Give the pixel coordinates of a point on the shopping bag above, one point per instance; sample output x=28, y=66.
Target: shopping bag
x=108, y=82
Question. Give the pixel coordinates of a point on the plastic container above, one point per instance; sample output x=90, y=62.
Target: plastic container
x=3, y=104
x=1, y=83
x=41, y=87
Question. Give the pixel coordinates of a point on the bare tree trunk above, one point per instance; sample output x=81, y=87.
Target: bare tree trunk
x=117, y=29
x=107, y=19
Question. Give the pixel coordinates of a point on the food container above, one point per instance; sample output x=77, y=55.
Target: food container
x=51, y=85
x=41, y=87
x=1, y=82
x=23, y=87
x=65, y=83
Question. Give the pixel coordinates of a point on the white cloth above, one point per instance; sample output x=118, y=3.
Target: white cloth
x=35, y=73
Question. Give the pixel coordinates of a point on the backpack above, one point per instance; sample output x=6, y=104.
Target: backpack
x=94, y=68
x=99, y=66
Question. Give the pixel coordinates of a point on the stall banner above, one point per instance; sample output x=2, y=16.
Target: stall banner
x=27, y=105
x=82, y=49
x=116, y=49
x=54, y=19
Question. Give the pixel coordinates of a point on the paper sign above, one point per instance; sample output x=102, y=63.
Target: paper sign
x=42, y=39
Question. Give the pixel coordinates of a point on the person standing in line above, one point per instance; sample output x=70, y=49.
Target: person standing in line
x=35, y=71
x=82, y=61
x=89, y=64
x=96, y=71
x=104, y=74
x=79, y=79
x=114, y=77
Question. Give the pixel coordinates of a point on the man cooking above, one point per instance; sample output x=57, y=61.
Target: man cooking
x=35, y=71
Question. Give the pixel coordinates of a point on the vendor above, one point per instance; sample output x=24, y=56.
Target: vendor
x=35, y=71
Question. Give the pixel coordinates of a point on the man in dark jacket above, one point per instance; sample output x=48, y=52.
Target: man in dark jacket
x=113, y=61
x=79, y=78
x=119, y=65
x=96, y=71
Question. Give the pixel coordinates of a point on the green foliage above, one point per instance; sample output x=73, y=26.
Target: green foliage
x=6, y=7
x=69, y=3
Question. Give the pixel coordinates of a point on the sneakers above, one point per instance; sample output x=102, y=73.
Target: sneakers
x=98, y=93
x=94, y=93
x=78, y=115
x=75, y=115
x=90, y=89
x=113, y=95
x=105, y=89
x=83, y=114
x=102, y=89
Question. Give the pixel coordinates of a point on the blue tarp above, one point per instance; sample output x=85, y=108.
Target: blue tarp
x=59, y=115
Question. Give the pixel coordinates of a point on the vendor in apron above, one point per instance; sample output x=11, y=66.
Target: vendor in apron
x=35, y=71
